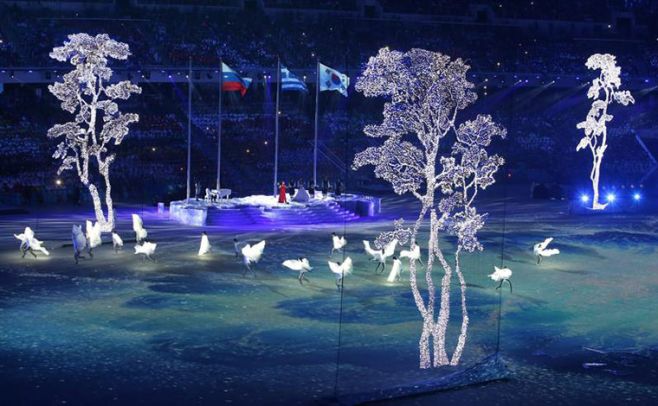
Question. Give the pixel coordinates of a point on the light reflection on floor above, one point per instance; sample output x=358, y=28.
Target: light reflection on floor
x=185, y=329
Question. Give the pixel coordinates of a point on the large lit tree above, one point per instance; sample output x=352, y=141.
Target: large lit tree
x=98, y=124
x=426, y=91
x=604, y=90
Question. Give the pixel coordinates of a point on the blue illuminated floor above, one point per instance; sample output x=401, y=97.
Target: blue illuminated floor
x=189, y=330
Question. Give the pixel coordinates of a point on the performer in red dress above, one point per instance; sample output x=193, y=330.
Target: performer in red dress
x=282, y=192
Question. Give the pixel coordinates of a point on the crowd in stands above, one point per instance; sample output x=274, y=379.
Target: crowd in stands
x=249, y=40
x=151, y=161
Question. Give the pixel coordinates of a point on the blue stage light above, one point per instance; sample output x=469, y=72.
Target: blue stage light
x=637, y=196
x=611, y=197
x=584, y=198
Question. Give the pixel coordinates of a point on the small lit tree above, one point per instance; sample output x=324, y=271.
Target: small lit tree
x=427, y=90
x=604, y=90
x=86, y=93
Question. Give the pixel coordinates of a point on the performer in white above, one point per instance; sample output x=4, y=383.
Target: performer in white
x=300, y=265
x=380, y=255
x=252, y=254
x=396, y=269
x=338, y=243
x=502, y=275
x=79, y=242
x=29, y=243
x=138, y=228
x=204, y=248
x=413, y=254
x=24, y=238
x=340, y=270
x=147, y=249
x=541, y=250
x=117, y=242
x=93, y=236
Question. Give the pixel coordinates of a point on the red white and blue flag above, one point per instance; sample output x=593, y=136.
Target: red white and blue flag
x=331, y=79
x=232, y=82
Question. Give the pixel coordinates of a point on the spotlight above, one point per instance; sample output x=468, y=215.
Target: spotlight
x=584, y=198
x=58, y=182
x=637, y=197
x=610, y=197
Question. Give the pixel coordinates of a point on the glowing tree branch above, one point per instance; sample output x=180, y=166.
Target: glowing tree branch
x=400, y=233
x=426, y=91
x=469, y=169
x=604, y=90
x=85, y=92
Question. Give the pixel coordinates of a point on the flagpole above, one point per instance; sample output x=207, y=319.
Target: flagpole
x=276, y=123
x=189, y=126
x=315, y=141
x=219, y=126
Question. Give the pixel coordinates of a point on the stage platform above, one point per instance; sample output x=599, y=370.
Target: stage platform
x=265, y=210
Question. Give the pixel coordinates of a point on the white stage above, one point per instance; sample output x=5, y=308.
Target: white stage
x=266, y=210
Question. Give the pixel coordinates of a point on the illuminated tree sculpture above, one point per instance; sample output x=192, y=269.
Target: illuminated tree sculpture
x=604, y=90
x=98, y=123
x=427, y=90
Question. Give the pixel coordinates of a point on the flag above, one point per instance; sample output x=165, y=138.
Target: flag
x=291, y=82
x=232, y=82
x=331, y=79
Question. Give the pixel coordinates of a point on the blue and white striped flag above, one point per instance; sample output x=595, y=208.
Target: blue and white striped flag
x=291, y=82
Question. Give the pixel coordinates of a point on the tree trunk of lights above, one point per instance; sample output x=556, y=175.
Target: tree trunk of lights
x=595, y=176
x=98, y=207
x=441, y=325
x=109, y=224
x=461, y=342
x=428, y=322
x=427, y=313
x=424, y=344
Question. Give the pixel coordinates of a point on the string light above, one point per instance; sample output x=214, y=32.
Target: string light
x=604, y=90
x=81, y=93
x=400, y=233
x=426, y=91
